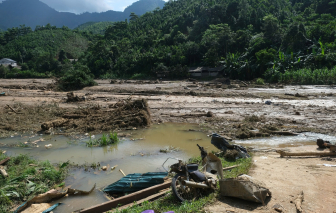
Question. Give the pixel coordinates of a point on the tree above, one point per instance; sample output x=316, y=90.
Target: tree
x=133, y=17
x=270, y=28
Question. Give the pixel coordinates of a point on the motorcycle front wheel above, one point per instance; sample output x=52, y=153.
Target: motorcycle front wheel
x=182, y=192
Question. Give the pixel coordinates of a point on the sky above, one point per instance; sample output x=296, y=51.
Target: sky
x=81, y=6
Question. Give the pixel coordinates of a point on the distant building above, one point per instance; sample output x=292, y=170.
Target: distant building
x=205, y=71
x=7, y=62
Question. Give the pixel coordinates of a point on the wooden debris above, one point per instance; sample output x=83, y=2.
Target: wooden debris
x=230, y=167
x=122, y=172
x=287, y=133
x=298, y=202
x=11, y=108
x=302, y=154
x=3, y=173
x=4, y=161
x=150, y=198
x=107, y=206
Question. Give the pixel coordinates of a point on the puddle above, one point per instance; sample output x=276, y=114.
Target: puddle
x=138, y=156
x=306, y=138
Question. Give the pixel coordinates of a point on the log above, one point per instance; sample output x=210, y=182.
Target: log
x=4, y=173
x=298, y=202
x=107, y=206
x=52, y=124
x=302, y=154
x=4, y=161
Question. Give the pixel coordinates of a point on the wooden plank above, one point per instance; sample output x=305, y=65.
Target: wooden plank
x=302, y=154
x=230, y=167
x=107, y=206
x=4, y=161
x=150, y=198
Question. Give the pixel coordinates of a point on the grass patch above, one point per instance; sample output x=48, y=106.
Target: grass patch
x=105, y=140
x=27, y=178
x=170, y=203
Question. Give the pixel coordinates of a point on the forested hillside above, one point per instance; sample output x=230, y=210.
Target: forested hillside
x=279, y=40
x=252, y=37
x=34, y=13
x=95, y=27
x=43, y=50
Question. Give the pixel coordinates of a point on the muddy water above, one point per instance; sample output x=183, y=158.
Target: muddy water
x=136, y=156
x=302, y=139
x=132, y=156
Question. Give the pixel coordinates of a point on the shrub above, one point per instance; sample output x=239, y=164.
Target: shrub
x=260, y=81
x=76, y=77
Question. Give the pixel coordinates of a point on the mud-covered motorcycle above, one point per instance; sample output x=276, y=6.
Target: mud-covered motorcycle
x=190, y=183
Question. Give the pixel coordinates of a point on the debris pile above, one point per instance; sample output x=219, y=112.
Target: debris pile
x=129, y=114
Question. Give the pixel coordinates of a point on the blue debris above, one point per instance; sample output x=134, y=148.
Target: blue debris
x=52, y=208
x=268, y=102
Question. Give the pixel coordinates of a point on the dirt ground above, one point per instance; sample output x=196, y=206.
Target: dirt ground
x=286, y=178
x=237, y=110
x=293, y=108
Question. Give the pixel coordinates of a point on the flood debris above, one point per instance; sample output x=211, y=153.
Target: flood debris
x=298, y=202
x=279, y=208
x=305, y=154
x=244, y=187
x=135, y=182
x=169, y=149
x=71, y=97
x=4, y=161
x=122, y=172
x=323, y=144
x=50, y=196
x=128, y=114
x=220, y=143
x=3, y=172
x=2, y=94
x=41, y=207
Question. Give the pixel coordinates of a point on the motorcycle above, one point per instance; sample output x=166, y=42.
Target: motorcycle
x=190, y=183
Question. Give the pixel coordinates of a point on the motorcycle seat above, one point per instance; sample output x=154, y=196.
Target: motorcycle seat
x=192, y=167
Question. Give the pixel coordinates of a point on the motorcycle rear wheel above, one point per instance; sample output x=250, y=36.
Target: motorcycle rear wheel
x=182, y=192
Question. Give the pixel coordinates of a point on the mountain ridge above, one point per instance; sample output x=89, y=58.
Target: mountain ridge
x=34, y=13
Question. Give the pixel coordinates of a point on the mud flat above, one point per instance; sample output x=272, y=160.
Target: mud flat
x=293, y=108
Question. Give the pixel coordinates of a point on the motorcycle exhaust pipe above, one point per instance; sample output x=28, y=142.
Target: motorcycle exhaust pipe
x=194, y=184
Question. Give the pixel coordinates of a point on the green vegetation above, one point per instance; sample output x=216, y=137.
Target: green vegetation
x=170, y=203
x=105, y=140
x=309, y=76
x=251, y=39
x=95, y=27
x=273, y=40
x=76, y=77
x=27, y=178
x=260, y=81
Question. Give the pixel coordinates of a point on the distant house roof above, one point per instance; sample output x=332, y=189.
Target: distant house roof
x=8, y=60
